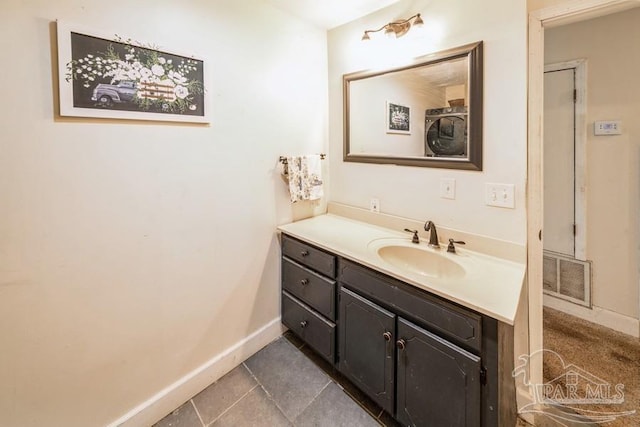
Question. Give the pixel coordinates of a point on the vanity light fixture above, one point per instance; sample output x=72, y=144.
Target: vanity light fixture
x=398, y=28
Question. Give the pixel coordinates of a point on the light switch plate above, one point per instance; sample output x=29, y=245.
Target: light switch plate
x=607, y=127
x=500, y=195
x=448, y=188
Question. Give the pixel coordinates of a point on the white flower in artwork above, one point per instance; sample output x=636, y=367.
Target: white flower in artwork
x=167, y=82
x=192, y=107
x=181, y=92
x=162, y=61
x=133, y=74
x=158, y=70
x=169, y=61
x=128, y=57
x=145, y=72
x=179, y=78
x=137, y=65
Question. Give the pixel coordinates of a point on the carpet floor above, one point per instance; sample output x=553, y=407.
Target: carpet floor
x=592, y=362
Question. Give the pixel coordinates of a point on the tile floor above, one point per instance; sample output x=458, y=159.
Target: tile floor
x=284, y=384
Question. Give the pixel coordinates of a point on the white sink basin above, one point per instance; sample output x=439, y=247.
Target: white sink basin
x=418, y=258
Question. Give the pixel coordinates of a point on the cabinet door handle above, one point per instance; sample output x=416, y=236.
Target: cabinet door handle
x=304, y=282
x=304, y=253
x=401, y=344
x=303, y=324
x=387, y=336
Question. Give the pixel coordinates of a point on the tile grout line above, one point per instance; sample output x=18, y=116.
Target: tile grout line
x=197, y=412
x=352, y=397
x=267, y=392
x=313, y=400
x=231, y=406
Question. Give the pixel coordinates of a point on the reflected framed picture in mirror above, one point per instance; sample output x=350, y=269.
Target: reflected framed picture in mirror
x=398, y=118
x=433, y=112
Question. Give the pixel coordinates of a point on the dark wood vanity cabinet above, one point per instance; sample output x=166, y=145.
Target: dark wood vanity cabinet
x=367, y=347
x=438, y=383
x=423, y=359
x=308, y=295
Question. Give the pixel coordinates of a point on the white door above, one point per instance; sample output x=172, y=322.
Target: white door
x=559, y=161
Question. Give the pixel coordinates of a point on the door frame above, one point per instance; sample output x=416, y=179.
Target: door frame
x=565, y=10
x=580, y=151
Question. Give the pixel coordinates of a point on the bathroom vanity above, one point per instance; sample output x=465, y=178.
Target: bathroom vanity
x=407, y=324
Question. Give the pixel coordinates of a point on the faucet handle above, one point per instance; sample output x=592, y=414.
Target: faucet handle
x=451, y=248
x=415, y=238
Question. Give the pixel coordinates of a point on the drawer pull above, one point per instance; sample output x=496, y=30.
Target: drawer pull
x=304, y=253
x=304, y=282
x=401, y=344
x=303, y=324
x=387, y=336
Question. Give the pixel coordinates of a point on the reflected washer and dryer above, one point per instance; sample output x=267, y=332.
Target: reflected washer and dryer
x=445, y=132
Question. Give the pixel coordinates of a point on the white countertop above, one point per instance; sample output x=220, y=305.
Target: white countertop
x=491, y=285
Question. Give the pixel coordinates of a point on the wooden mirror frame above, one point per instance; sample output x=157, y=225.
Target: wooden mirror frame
x=474, y=131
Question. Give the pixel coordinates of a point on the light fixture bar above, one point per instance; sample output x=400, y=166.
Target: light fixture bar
x=398, y=28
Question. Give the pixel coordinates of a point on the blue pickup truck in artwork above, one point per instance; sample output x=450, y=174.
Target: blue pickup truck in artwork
x=107, y=94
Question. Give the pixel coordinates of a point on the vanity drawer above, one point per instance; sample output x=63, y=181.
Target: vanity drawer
x=310, y=287
x=309, y=256
x=455, y=323
x=310, y=326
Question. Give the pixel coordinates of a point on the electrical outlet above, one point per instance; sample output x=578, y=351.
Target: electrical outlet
x=500, y=195
x=374, y=205
x=448, y=188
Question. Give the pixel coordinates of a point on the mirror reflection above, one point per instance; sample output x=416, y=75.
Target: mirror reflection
x=426, y=114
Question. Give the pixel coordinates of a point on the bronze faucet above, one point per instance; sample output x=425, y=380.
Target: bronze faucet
x=433, y=235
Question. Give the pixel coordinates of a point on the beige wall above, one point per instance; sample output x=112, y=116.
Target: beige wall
x=613, y=177
x=132, y=253
x=414, y=192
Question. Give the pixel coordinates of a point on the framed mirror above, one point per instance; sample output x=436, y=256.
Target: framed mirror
x=427, y=113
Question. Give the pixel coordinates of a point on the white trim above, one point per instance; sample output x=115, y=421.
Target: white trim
x=579, y=7
x=601, y=316
x=174, y=395
x=580, y=167
x=535, y=205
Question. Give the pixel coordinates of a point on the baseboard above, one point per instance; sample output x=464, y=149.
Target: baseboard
x=601, y=316
x=168, y=399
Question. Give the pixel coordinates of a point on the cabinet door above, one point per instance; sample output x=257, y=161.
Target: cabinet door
x=366, y=347
x=438, y=382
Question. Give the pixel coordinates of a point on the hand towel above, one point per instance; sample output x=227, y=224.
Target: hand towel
x=305, y=177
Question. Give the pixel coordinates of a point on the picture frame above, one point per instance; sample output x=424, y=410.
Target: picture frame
x=107, y=76
x=397, y=118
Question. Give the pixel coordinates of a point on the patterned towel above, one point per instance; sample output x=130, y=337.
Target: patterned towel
x=305, y=177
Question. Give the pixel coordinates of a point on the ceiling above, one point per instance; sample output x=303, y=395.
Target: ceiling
x=328, y=14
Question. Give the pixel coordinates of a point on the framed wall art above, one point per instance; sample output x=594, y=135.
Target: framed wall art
x=112, y=77
x=398, y=118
